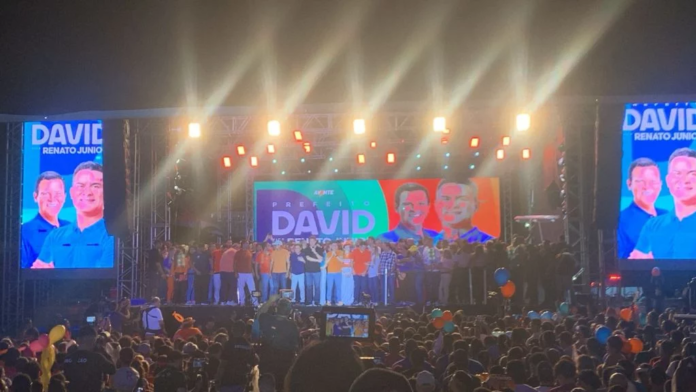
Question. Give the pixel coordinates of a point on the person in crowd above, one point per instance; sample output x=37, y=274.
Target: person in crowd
x=334, y=264
x=126, y=378
x=314, y=259
x=236, y=361
x=119, y=314
x=244, y=270
x=347, y=283
x=152, y=319
x=387, y=271
x=339, y=364
x=171, y=378
x=187, y=330
x=565, y=374
x=296, y=274
x=431, y=260
x=280, y=338
x=228, y=283
x=85, y=368
x=216, y=278
x=361, y=257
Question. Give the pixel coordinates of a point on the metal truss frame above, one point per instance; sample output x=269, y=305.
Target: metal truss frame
x=607, y=259
x=579, y=122
x=129, y=252
x=12, y=287
x=508, y=215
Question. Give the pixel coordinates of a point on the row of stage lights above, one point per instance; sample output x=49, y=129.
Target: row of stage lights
x=523, y=123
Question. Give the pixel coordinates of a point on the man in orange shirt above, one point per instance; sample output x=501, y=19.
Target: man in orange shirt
x=216, y=254
x=361, y=259
x=187, y=330
x=263, y=264
x=244, y=270
x=228, y=289
x=334, y=259
x=280, y=261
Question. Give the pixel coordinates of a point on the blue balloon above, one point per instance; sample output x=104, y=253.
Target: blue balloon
x=501, y=276
x=602, y=334
x=533, y=315
x=564, y=308
x=435, y=313
x=449, y=327
x=546, y=315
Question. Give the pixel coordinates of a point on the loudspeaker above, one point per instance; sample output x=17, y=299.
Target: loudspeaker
x=116, y=140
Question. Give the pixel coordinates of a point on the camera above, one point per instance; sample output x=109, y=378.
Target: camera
x=91, y=320
x=344, y=323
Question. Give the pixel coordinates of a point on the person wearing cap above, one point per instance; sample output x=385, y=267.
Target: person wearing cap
x=84, y=368
x=187, y=330
x=280, y=265
x=425, y=382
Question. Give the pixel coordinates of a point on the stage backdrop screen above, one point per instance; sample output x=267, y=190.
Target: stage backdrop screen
x=62, y=199
x=657, y=221
x=388, y=209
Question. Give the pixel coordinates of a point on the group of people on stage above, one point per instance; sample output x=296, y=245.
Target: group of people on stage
x=360, y=272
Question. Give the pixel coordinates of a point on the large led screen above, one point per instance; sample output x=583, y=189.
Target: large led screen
x=439, y=208
x=63, y=199
x=657, y=221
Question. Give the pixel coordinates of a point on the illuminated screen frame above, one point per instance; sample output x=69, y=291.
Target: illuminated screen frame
x=60, y=273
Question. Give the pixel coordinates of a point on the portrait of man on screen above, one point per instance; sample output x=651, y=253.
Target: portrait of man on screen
x=84, y=243
x=456, y=202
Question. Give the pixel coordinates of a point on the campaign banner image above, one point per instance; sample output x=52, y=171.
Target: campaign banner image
x=62, y=197
x=658, y=197
x=436, y=208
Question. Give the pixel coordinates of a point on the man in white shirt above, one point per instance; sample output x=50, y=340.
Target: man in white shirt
x=153, y=322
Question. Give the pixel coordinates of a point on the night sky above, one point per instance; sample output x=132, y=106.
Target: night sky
x=60, y=56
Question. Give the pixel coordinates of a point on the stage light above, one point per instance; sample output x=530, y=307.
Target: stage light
x=361, y=159
x=254, y=161
x=307, y=147
x=194, y=130
x=241, y=150
x=391, y=157
x=373, y=144
x=444, y=140
x=474, y=142
x=445, y=167
x=447, y=155
x=273, y=128
x=477, y=153
x=506, y=140
x=226, y=162
x=472, y=167
x=523, y=122
x=418, y=168
x=526, y=153
x=330, y=159
x=418, y=156
x=309, y=171
x=335, y=170
x=282, y=173
x=302, y=160
x=500, y=154
x=275, y=161
x=446, y=131
x=439, y=124
x=270, y=149
x=298, y=135
x=359, y=126
x=614, y=277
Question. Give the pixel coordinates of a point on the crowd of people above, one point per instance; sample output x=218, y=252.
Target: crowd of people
x=280, y=349
x=358, y=272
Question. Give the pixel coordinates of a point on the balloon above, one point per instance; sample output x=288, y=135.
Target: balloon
x=45, y=341
x=655, y=272
x=36, y=346
x=602, y=334
x=508, y=290
x=626, y=314
x=636, y=345
x=439, y=323
x=564, y=308
x=546, y=315
x=501, y=276
x=448, y=327
x=533, y=315
x=447, y=315
x=56, y=334
x=626, y=348
x=435, y=313
x=48, y=357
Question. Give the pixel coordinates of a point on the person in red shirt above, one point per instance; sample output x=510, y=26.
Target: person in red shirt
x=361, y=259
x=216, y=254
x=187, y=330
x=245, y=273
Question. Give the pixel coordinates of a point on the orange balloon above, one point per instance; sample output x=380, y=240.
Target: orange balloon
x=447, y=315
x=636, y=345
x=626, y=314
x=626, y=349
x=508, y=289
x=439, y=323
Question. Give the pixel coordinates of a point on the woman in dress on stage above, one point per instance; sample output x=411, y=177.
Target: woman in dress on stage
x=347, y=284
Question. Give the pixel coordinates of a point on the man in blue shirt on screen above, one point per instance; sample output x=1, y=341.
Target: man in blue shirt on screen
x=413, y=204
x=645, y=184
x=456, y=202
x=85, y=243
x=673, y=235
x=49, y=195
